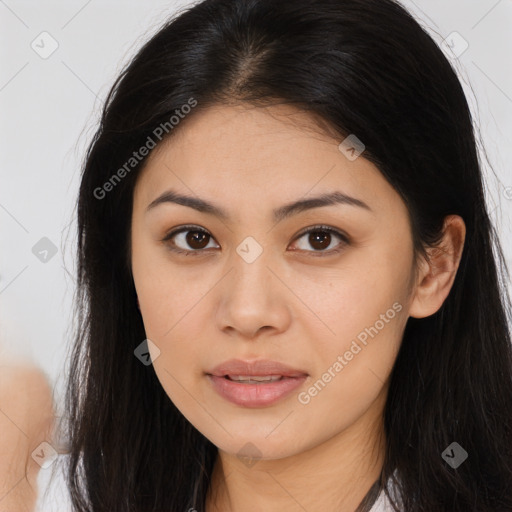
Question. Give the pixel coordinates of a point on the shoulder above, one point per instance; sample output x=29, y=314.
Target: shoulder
x=26, y=419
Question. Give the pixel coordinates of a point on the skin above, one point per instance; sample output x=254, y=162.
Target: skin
x=26, y=420
x=290, y=304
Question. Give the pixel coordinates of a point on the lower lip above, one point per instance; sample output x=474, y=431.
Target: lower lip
x=255, y=395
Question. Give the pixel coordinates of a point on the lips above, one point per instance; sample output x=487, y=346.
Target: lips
x=258, y=368
x=255, y=383
x=254, y=379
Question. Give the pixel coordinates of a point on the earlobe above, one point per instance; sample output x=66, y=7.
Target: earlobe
x=436, y=276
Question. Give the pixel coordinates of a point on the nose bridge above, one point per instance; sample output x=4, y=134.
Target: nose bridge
x=250, y=296
x=251, y=261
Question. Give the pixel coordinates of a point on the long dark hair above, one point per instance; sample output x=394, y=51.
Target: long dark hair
x=363, y=67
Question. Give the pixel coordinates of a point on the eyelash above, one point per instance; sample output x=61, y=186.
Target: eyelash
x=344, y=238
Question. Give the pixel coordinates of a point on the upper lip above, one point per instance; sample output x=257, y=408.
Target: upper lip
x=259, y=367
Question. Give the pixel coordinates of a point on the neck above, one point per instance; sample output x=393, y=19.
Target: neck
x=334, y=475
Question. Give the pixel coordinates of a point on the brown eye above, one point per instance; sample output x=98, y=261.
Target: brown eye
x=320, y=238
x=197, y=239
x=192, y=240
x=188, y=240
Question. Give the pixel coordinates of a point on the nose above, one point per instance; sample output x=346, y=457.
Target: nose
x=253, y=299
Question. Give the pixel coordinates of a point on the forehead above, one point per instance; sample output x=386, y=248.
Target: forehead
x=239, y=153
x=245, y=139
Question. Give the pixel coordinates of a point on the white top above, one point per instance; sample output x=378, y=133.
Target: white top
x=382, y=504
x=53, y=495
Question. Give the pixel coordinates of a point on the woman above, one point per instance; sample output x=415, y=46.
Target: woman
x=283, y=211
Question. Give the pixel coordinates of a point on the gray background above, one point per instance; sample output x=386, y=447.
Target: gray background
x=49, y=109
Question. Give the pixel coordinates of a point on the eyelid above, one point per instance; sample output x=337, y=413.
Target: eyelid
x=318, y=227
x=322, y=227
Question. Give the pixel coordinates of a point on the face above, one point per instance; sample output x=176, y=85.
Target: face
x=321, y=289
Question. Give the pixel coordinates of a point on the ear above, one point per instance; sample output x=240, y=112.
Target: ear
x=436, y=276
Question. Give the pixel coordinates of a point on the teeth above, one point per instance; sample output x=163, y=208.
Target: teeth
x=254, y=379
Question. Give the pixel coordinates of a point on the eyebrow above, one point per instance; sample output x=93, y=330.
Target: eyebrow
x=287, y=210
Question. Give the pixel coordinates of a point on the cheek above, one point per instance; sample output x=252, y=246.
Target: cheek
x=355, y=296
x=174, y=319
x=362, y=305
x=167, y=292
x=365, y=311
x=173, y=313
